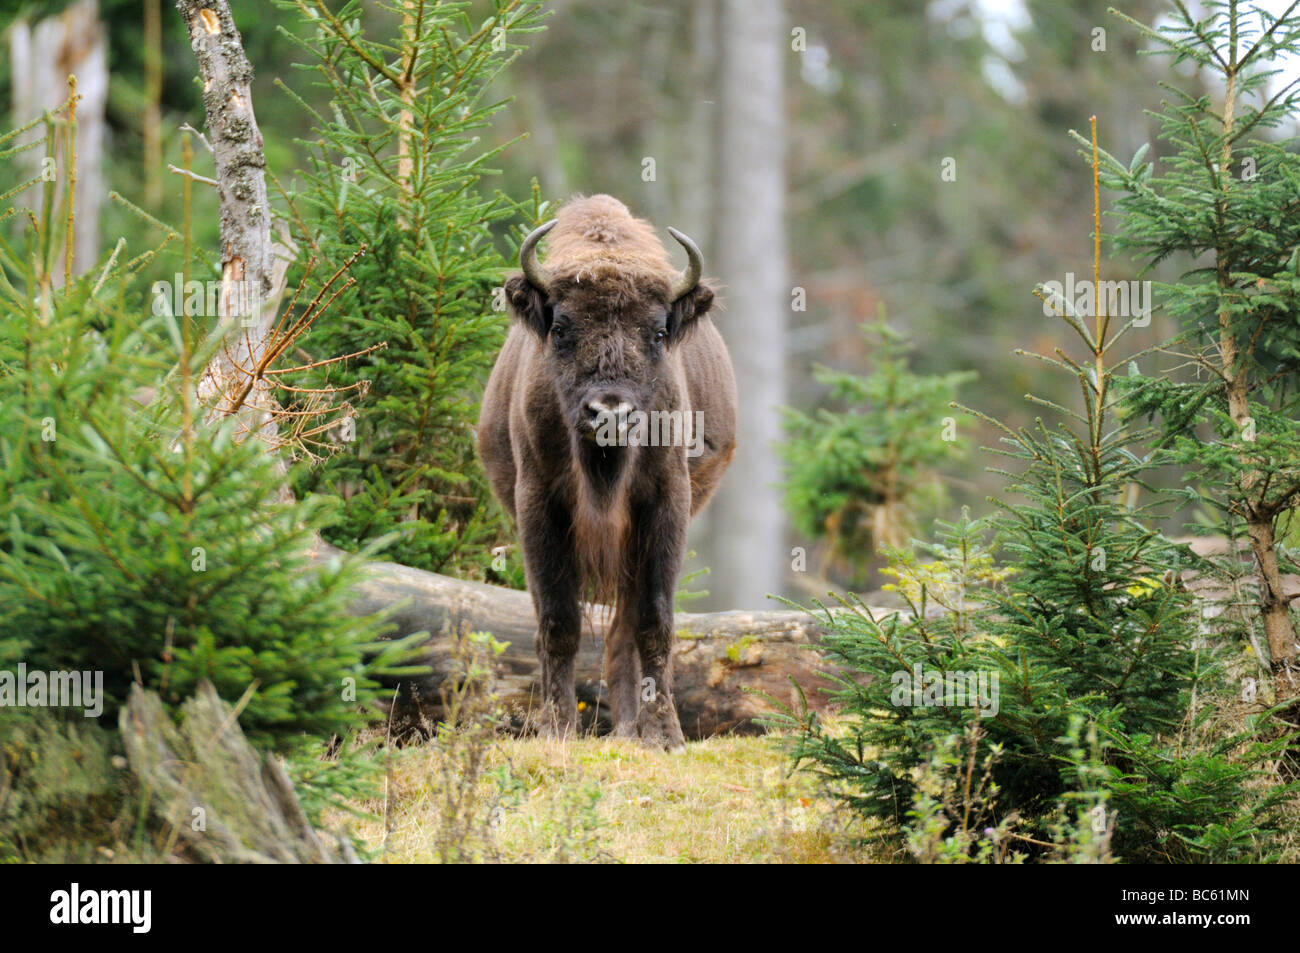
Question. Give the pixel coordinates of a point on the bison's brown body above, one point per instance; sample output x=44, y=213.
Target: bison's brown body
x=606, y=330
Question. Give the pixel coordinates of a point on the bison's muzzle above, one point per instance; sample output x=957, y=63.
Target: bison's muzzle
x=608, y=413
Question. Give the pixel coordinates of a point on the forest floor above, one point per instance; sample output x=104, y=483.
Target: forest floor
x=727, y=799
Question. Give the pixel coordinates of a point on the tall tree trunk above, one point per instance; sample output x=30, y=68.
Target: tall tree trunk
x=696, y=207
x=151, y=121
x=698, y=145
x=747, y=553
x=44, y=55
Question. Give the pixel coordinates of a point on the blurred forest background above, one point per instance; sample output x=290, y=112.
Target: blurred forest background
x=894, y=159
x=880, y=191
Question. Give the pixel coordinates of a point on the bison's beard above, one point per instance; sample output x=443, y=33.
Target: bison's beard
x=600, y=516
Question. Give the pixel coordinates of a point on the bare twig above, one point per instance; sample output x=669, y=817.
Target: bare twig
x=195, y=176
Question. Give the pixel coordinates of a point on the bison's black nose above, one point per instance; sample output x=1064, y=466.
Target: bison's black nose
x=608, y=412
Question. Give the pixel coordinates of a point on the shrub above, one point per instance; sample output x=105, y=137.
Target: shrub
x=859, y=477
x=139, y=539
x=1224, y=202
x=1087, y=623
x=398, y=167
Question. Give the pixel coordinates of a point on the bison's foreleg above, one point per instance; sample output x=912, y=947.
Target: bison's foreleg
x=553, y=582
x=658, y=542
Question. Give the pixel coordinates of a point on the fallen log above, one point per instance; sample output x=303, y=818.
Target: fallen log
x=721, y=658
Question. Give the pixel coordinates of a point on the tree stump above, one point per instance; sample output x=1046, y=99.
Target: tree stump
x=205, y=775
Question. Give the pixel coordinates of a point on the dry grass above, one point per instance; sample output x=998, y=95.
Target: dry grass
x=472, y=794
x=726, y=800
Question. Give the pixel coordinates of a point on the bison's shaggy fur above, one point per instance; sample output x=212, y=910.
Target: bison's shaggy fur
x=601, y=520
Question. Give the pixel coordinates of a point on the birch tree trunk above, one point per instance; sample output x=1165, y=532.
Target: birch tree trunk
x=747, y=553
x=44, y=55
x=151, y=120
x=251, y=278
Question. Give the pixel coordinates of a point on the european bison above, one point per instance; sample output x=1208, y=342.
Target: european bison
x=608, y=421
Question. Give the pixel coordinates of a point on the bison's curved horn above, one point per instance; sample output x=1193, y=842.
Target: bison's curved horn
x=689, y=278
x=537, y=275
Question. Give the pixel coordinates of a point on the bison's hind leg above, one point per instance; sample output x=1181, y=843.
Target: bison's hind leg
x=657, y=541
x=638, y=672
x=622, y=674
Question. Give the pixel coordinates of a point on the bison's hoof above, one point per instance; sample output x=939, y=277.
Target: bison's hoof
x=658, y=728
x=556, y=727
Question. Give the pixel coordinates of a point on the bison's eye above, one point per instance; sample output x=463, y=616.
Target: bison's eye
x=561, y=334
x=661, y=334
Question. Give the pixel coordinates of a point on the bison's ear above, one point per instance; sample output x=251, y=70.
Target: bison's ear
x=530, y=305
x=683, y=312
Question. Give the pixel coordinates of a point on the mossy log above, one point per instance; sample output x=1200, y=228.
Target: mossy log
x=723, y=664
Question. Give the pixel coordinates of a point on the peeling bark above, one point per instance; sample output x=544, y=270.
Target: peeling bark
x=247, y=305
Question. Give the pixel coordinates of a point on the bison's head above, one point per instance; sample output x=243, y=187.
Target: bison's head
x=609, y=310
